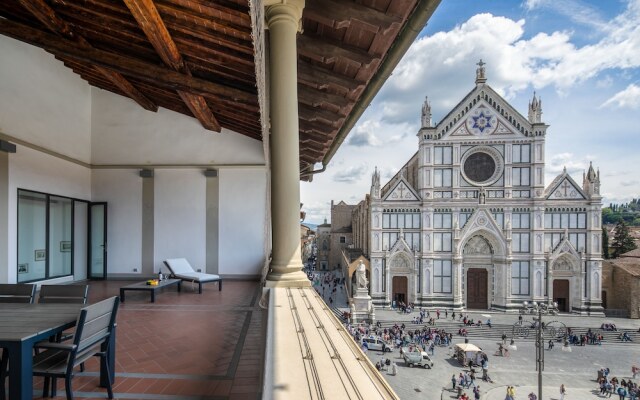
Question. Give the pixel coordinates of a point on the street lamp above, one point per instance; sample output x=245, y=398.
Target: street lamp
x=552, y=330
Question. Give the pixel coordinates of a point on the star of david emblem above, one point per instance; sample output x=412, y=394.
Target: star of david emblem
x=482, y=122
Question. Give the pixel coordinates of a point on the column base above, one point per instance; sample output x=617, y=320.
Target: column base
x=287, y=279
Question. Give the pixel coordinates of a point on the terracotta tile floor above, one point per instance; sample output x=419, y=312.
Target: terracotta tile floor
x=184, y=346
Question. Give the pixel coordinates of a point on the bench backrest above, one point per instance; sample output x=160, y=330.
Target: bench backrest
x=64, y=294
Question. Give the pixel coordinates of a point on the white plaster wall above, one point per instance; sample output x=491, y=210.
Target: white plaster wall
x=125, y=133
x=122, y=190
x=32, y=170
x=180, y=216
x=242, y=219
x=43, y=102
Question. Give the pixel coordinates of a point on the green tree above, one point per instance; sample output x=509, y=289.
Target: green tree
x=605, y=244
x=622, y=240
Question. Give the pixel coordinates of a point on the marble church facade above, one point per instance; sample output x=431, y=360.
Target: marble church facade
x=468, y=223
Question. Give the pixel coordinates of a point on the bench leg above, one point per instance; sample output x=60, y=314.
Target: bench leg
x=220, y=285
x=199, y=287
x=122, y=295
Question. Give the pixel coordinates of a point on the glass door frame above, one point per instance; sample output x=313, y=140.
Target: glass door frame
x=90, y=274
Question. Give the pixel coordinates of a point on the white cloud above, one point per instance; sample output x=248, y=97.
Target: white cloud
x=364, y=134
x=350, y=174
x=628, y=98
x=578, y=11
x=630, y=183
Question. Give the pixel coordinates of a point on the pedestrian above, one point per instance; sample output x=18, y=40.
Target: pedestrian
x=563, y=391
x=532, y=396
x=453, y=315
x=504, y=338
x=550, y=344
x=520, y=319
x=453, y=382
x=476, y=392
x=634, y=370
x=446, y=313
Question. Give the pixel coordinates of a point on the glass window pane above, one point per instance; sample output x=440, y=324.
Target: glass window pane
x=525, y=152
x=60, y=248
x=446, y=242
x=446, y=285
x=524, y=177
x=515, y=286
x=556, y=220
x=564, y=221
x=416, y=221
x=446, y=177
x=446, y=156
x=437, y=220
x=408, y=221
x=32, y=230
x=573, y=220
x=437, y=159
x=524, y=242
x=401, y=221
x=516, y=153
x=582, y=217
x=547, y=221
x=446, y=220
x=385, y=241
x=394, y=221
x=515, y=174
x=437, y=242
x=385, y=220
x=437, y=178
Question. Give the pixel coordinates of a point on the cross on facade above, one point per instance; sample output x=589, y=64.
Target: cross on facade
x=401, y=190
x=481, y=63
x=566, y=186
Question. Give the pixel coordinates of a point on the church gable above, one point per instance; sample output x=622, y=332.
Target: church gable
x=400, y=245
x=564, y=188
x=401, y=192
x=483, y=113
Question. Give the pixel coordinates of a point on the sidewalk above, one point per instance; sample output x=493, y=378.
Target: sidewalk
x=548, y=392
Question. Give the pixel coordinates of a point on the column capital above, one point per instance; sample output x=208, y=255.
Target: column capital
x=279, y=10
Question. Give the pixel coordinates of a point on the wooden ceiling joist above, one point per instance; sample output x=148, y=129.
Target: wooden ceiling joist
x=314, y=97
x=318, y=114
x=328, y=51
x=55, y=24
x=126, y=65
x=320, y=78
x=340, y=14
x=149, y=20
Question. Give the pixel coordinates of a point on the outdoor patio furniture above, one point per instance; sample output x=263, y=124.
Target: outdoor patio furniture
x=92, y=338
x=76, y=294
x=181, y=269
x=152, y=289
x=16, y=293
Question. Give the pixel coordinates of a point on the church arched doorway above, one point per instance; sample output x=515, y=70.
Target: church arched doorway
x=399, y=286
x=477, y=283
x=561, y=294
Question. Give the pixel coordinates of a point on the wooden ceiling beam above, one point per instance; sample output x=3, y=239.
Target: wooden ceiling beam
x=55, y=24
x=321, y=78
x=148, y=17
x=125, y=65
x=314, y=97
x=327, y=51
x=319, y=114
x=340, y=14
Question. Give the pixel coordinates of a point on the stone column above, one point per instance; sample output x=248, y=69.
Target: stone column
x=283, y=20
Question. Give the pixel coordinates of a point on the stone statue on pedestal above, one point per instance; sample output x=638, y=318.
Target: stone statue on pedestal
x=361, y=276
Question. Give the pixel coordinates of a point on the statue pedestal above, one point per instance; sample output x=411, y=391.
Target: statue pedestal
x=362, y=307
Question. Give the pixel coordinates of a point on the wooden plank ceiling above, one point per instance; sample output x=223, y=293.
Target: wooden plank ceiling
x=195, y=57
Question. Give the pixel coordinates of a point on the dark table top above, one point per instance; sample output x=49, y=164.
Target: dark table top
x=20, y=322
x=143, y=285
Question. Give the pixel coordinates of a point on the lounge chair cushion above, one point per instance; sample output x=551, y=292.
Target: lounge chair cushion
x=181, y=268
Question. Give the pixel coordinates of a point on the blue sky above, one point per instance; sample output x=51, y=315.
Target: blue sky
x=581, y=57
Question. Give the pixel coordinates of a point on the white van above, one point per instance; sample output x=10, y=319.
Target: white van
x=416, y=357
x=377, y=344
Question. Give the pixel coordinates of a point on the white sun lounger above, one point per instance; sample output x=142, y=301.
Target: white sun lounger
x=181, y=269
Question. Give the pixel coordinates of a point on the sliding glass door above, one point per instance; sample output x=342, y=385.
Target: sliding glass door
x=45, y=236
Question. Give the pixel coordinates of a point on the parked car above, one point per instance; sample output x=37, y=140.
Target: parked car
x=374, y=343
x=416, y=357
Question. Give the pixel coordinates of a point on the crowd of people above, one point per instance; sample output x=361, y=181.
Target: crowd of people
x=609, y=386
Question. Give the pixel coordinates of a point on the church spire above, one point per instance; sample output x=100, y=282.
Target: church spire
x=535, y=110
x=591, y=181
x=375, y=184
x=480, y=76
x=426, y=113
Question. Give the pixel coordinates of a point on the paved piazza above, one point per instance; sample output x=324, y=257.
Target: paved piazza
x=576, y=369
